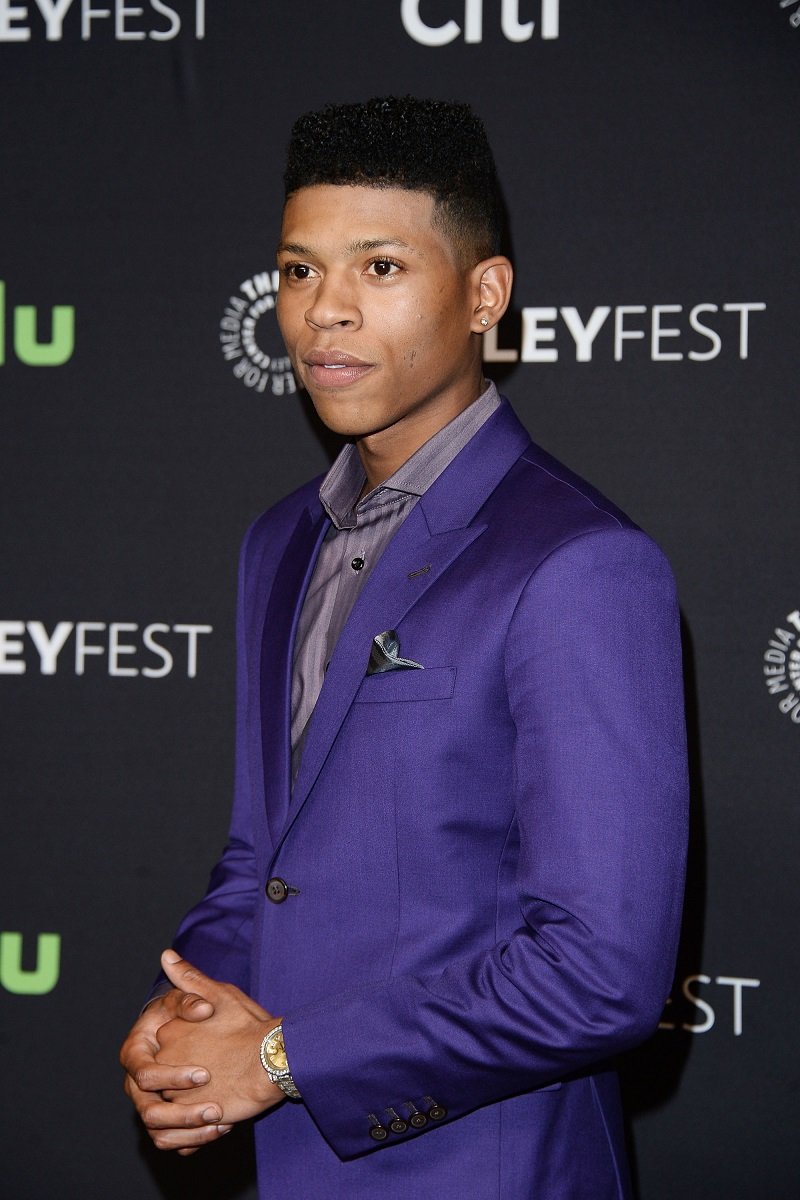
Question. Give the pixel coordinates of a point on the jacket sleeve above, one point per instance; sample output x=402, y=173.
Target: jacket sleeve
x=593, y=670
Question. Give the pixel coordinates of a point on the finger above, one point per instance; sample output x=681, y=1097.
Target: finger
x=187, y=978
x=142, y=1099
x=136, y=1048
x=176, y=1003
x=149, y=1076
x=187, y=1141
x=186, y=1005
x=160, y=1115
x=191, y=1007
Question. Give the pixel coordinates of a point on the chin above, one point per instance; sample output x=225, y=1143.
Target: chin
x=339, y=416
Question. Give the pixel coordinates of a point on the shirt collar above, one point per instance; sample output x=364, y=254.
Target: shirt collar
x=342, y=485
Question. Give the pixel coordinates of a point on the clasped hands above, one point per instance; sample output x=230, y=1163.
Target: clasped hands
x=192, y=1060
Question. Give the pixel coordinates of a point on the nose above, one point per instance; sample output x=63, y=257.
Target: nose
x=333, y=304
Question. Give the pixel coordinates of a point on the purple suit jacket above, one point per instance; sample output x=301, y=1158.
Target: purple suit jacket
x=488, y=853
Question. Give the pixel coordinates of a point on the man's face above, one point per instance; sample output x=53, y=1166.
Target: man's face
x=377, y=313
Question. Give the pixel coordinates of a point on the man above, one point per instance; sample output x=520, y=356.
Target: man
x=453, y=882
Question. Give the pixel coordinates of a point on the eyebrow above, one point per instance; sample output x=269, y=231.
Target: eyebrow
x=366, y=246
x=359, y=246
x=294, y=248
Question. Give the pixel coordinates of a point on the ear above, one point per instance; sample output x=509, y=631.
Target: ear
x=491, y=283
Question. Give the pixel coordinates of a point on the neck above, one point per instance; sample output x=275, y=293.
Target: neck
x=384, y=452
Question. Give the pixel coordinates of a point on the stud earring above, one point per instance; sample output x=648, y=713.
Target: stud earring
x=484, y=320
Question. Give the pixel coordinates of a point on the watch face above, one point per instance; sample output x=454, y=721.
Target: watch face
x=278, y=1060
x=276, y=1054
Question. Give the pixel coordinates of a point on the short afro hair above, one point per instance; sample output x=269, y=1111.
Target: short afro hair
x=428, y=146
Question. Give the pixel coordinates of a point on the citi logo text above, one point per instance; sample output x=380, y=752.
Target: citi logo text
x=23, y=330
x=670, y=333
x=512, y=28
x=118, y=649
x=37, y=980
x=124, y=22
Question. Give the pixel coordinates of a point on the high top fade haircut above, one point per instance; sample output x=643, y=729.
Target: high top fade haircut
x=428, y=146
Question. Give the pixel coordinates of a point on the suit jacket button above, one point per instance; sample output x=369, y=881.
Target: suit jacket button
x=418, y=1120
x=277, y=890
x=379, y=1133
x=437, y=1113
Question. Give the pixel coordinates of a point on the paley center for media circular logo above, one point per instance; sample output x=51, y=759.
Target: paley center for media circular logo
x=251, y=340
x=782, y=666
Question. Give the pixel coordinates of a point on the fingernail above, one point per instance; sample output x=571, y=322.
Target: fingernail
x=171, y=956
x=224, y=1128
x=212, y=1115
x=200, y=1076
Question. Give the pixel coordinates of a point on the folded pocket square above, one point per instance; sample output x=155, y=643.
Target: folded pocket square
x=385, y=655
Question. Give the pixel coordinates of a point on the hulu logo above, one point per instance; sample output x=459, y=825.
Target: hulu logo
x=24, y=320
x=40, y=979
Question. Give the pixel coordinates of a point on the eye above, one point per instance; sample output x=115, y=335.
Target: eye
x=298, y=271
x=384, y=268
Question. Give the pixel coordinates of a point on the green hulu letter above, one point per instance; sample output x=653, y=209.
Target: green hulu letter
x=44, y=354
x=43, y=978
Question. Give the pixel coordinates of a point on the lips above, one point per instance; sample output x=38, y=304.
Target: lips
x=335, y=368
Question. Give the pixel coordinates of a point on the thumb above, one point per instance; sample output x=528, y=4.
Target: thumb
x=186, y=977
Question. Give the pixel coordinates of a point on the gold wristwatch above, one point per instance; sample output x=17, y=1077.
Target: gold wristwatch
x=275, y=1063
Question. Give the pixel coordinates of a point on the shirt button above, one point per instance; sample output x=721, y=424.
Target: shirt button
x=357, y=564
x=277, y=890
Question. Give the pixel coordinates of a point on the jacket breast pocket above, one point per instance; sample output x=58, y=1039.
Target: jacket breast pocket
x=392, y=687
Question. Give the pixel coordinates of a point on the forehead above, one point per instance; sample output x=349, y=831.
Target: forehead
x=338, y=217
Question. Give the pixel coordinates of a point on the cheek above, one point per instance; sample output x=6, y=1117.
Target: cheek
x=401, y=330
x=415, y=328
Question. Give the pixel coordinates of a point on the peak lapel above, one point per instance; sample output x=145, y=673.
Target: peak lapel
x=277, y=651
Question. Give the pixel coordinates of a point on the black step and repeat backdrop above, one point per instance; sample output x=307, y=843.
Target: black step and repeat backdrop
x=649, y=154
